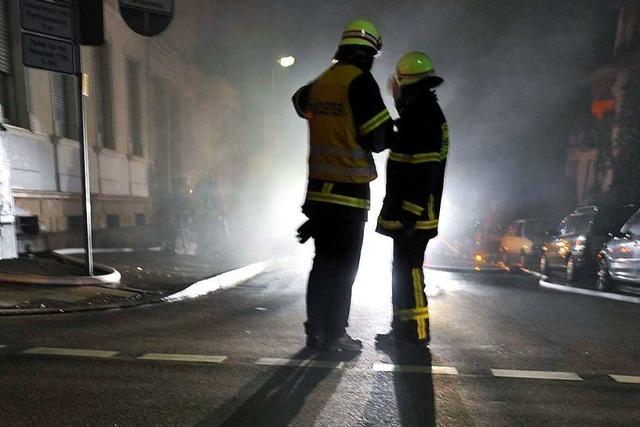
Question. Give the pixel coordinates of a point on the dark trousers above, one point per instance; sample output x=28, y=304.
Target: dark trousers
x=410, y=306
x=338, y=244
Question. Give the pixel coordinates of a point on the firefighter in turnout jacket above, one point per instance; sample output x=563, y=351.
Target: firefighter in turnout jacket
x=415, y=178
x=347, y=122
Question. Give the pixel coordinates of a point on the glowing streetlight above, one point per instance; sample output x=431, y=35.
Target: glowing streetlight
x=286, y=61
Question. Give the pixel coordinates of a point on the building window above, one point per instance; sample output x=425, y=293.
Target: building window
x=5, y=62
x=588, y=178
x=65, y=116
x=141, y=219
x=103, y=94
x=113, y=221
x=135, y=116
x=74, y=222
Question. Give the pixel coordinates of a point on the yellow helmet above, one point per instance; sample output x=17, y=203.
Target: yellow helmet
x=415, y=66
x=361, y=33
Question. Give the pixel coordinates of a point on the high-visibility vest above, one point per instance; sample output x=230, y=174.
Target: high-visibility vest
x=335, y=154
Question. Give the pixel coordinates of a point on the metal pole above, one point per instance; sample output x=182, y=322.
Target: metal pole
x=81, y=90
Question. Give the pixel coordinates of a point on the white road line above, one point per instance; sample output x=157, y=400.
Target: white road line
x=607, y=295
x=628, y=379
x=536, y=375
x=307, y=363
x=70, y=352
x=2, y=346
x=183, y=357
x=440, y=370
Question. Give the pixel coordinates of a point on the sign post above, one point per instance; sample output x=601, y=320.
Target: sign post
x=51, y=41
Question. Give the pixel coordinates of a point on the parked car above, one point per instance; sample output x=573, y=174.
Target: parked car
x=619, y=259
x=574, y=246
x=522, y=241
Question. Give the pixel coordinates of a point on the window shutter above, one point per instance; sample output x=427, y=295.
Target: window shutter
x=59, y=103
x=5, y=50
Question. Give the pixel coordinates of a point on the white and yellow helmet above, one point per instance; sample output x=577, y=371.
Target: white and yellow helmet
x=413, y=67
x=361, y=32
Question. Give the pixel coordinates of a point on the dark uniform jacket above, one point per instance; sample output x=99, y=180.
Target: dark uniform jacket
x=415, y=167
x=352, y=97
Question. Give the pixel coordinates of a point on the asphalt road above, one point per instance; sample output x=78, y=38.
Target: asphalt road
x=238, y=359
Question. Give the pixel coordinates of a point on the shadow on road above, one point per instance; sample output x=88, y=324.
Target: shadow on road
x=414, y=393
x=280, y=398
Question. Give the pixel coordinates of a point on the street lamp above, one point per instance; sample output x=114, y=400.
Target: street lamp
x=286, y=61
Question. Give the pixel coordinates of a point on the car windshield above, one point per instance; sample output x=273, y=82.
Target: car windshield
x=576, y=224
x=609, y=221
x=537, y=228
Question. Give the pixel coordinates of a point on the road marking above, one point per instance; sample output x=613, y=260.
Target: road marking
x=183, y=357
x=536, y=375
x=607, y=295
x=389, y=367
x=70, y=352
x=307, y=363
x=2, y=346
x=628, y=379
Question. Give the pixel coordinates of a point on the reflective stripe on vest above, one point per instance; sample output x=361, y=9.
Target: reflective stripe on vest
x=415, y=158
x=335, y=154
x=413, y=208
x=431, y=208
x=397, y=225
x=338, y=199
x=375, y=122
x=444, y=151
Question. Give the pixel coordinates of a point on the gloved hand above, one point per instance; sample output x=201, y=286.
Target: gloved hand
x=305, y=231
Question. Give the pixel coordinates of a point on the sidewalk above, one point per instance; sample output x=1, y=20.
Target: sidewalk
x=147, y=277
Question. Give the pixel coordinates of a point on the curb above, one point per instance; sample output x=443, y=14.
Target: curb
x=545, y=283
x=222, y=281
x=110, y=275
x=588, y=292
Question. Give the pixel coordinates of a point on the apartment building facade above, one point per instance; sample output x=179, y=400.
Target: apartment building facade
x=154, y=123
x=593, y=148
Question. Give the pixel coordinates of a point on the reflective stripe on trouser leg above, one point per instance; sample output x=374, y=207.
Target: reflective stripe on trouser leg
x=420, y=300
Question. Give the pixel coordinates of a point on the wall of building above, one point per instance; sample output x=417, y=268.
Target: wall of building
x=44, y=153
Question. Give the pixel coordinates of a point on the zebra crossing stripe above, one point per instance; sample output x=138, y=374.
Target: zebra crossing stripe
x=440, y=370
x=536, y=375
x=202, y=358
x=628, y=379
x=76, y=352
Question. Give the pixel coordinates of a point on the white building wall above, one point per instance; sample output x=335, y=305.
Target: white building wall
x=32, y=160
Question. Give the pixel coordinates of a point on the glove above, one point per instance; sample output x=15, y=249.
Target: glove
x=305, y=232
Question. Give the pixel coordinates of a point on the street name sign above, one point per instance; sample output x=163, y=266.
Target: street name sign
x=147, y=17
x=46, y=18
x=48, y=53
x=47, y=36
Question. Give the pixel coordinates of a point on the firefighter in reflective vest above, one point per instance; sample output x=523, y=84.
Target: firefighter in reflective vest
x=415, y=178
x=347, y=122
